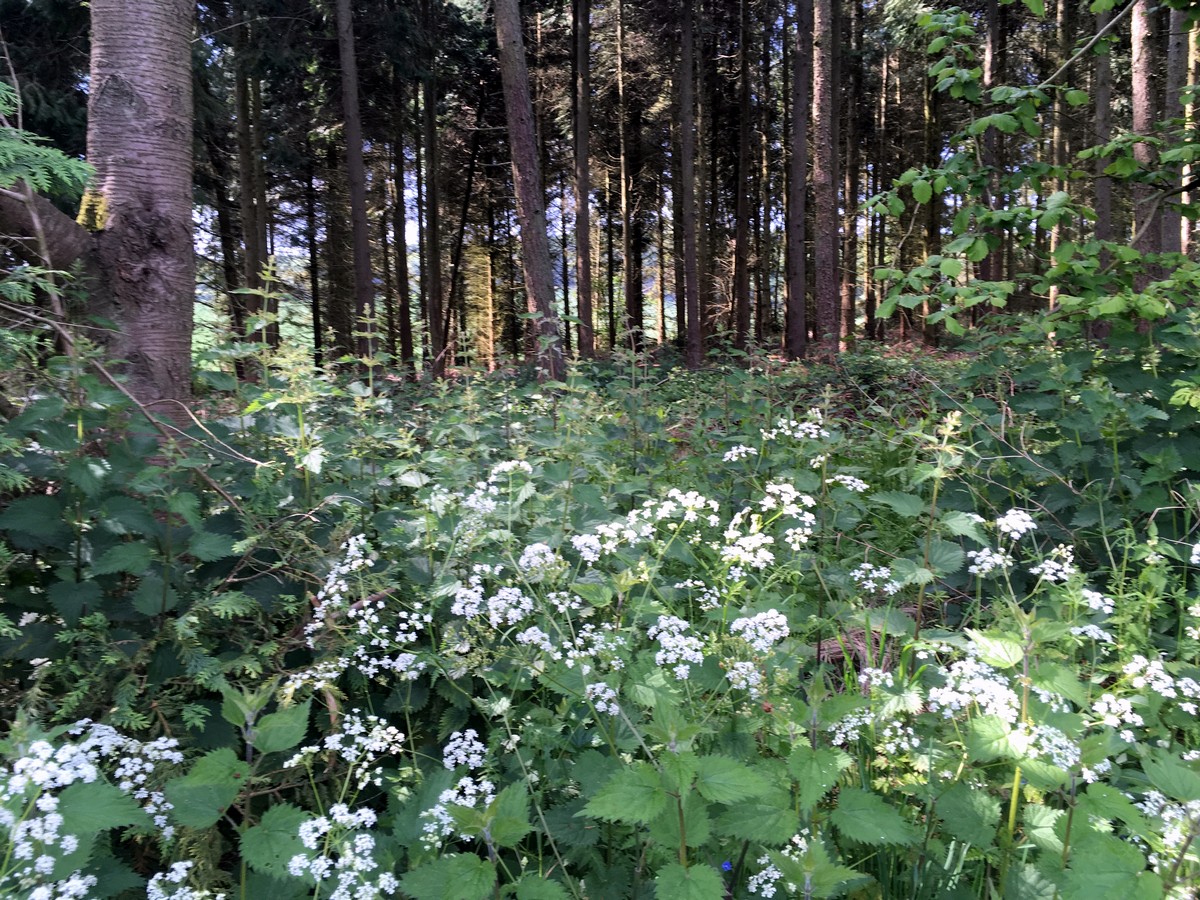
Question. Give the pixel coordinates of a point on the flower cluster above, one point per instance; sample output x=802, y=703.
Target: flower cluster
x=361, y=741
x=875, y=579
x=334, y=596
x=763, y=631
x=676, y=648
x=740, y=452
x=1015, y=524
x=464, y=749
x=986, y=561
x=170, y=885
x=744, y=676
x=849, y=482
x=341, y=851
x=973, y=683
x=812, y=429
x=439, y=822
x=1059, y=566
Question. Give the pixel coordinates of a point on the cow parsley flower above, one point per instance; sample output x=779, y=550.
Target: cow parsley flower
x=1015, y=524
x=763, y=631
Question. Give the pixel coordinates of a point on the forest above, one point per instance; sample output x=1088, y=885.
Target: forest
x=605, y=449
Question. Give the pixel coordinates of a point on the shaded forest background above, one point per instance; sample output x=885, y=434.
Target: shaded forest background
x=745, y=151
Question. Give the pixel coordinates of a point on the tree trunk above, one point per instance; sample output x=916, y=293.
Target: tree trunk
x=140, y=142
x=583, y=223
x=741, y=253
x=851, y=184
x=364, y=289
x=1147, y=215
x=1177, y=55
x=1101, y=134
x=687, y=185
x=400, y=234
x=527, y=179
x=825, y=187
x=629, y=135
x=796, y=327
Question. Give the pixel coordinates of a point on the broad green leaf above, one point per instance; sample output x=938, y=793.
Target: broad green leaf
x=678, y=882
x=945, y=557
x=1106, y=866
x=154, y=597
x=820, y=875
x=133, y=558
x=988, y=738
x=508, y=816
x=271, y=844
x=816, y=771
x=1040, y=822
x=202, y=795
x=634, y=795
x=206, y=546
x=537, y=887
x=1076, y=98
x=696, y=825
x=70, y=599
x=280, y=730
x=907, y=505
x=31, y=521
x=961, y=524
x=1037, y=7
x=999, y=650
x=922, y=191
x=866, y=817
x=1173, y=778
x=454, y=877
x=88, y=808
x=951, y=268
x=1025, y=882
x=969, y=814
x=724, y=780
x=766, y=823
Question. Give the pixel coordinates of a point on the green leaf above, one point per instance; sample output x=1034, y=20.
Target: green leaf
x=1173, y=778
x=907, y=505
x=38, y=517
x=1037, y=7
x=71, y=599
x=997, y=650
x=945, y=558
x=153, y=597
x=133, y=558
x=723, y=780
x=508, y=816
x=678, y=882
x=816, y=771
x=988, y=738
x=696, y=825
x=978, y=250
x=766, y=823
x=281, y=730
x=922, y=191
x=268, y=846
x=961, y=524
x=538, y=887
x=1026, y=883
x=969, y=814
x=951, y=268
x=453, y=877
x=634, y=795
x=1105, y=866
x=1076, y=98
x=206, y=546
x=867, y=818
x=203, y=795
x=89, y=808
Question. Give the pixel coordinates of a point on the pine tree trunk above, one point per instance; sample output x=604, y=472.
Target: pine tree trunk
x=1147, y=215
x=796, y=325
x=527, y=179
x=583, y=222
x=741, y=253
x=687, y=184
x=825, y=186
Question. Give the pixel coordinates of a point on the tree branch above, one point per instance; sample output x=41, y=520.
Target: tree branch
x=22, y=212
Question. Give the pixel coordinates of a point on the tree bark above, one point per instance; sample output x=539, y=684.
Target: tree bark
x=1177, y=55
x=741, y=253
x=825, y=196
x=687, y=184
x=527, y=178
x=364, y=288
x=583, y=223
x=140, y=142
x=1147, y=216
x=796, y=326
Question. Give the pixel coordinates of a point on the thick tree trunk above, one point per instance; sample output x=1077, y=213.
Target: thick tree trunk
x=140, y=142
x=527, y=178
x=364, y=289
x=796, y=326
x=825, y=187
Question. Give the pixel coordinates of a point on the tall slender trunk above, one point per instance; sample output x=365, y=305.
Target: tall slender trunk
x=629, y=128
x=687, y=184
x=796, y=326
x=1102, y=134
x=1147, y=214
x=1177, y=55
x=400, y=232
x=741, y=253
x=253, y=254
x=431, y=272
x=583, y=221
x=364, y=288
x=314, y=265
x=851, y=183
x=989, y=267
x=527, y=179
x=825, y=129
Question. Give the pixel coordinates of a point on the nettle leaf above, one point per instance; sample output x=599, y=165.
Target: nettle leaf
x=508, y=816
x=969, y=815
x=90, y=808
x=816, y=771
x=770, y=822
x=271, y=844
x=454, y=877
x=281, y=730
x=71, y=599
x=537, y=887
x=678, y=882
x=1025, y=882
x=208, y=547
x=1040, y=822
x=988, y=738
x=1105, y=866
x=634, y=795
x=202, y=795
x=945, y=557
x=32, y=521
x=1173, y=778
x=867, y=818
x=723, y=780
x=665, y=829
x=134, y=558
x=819, y=874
